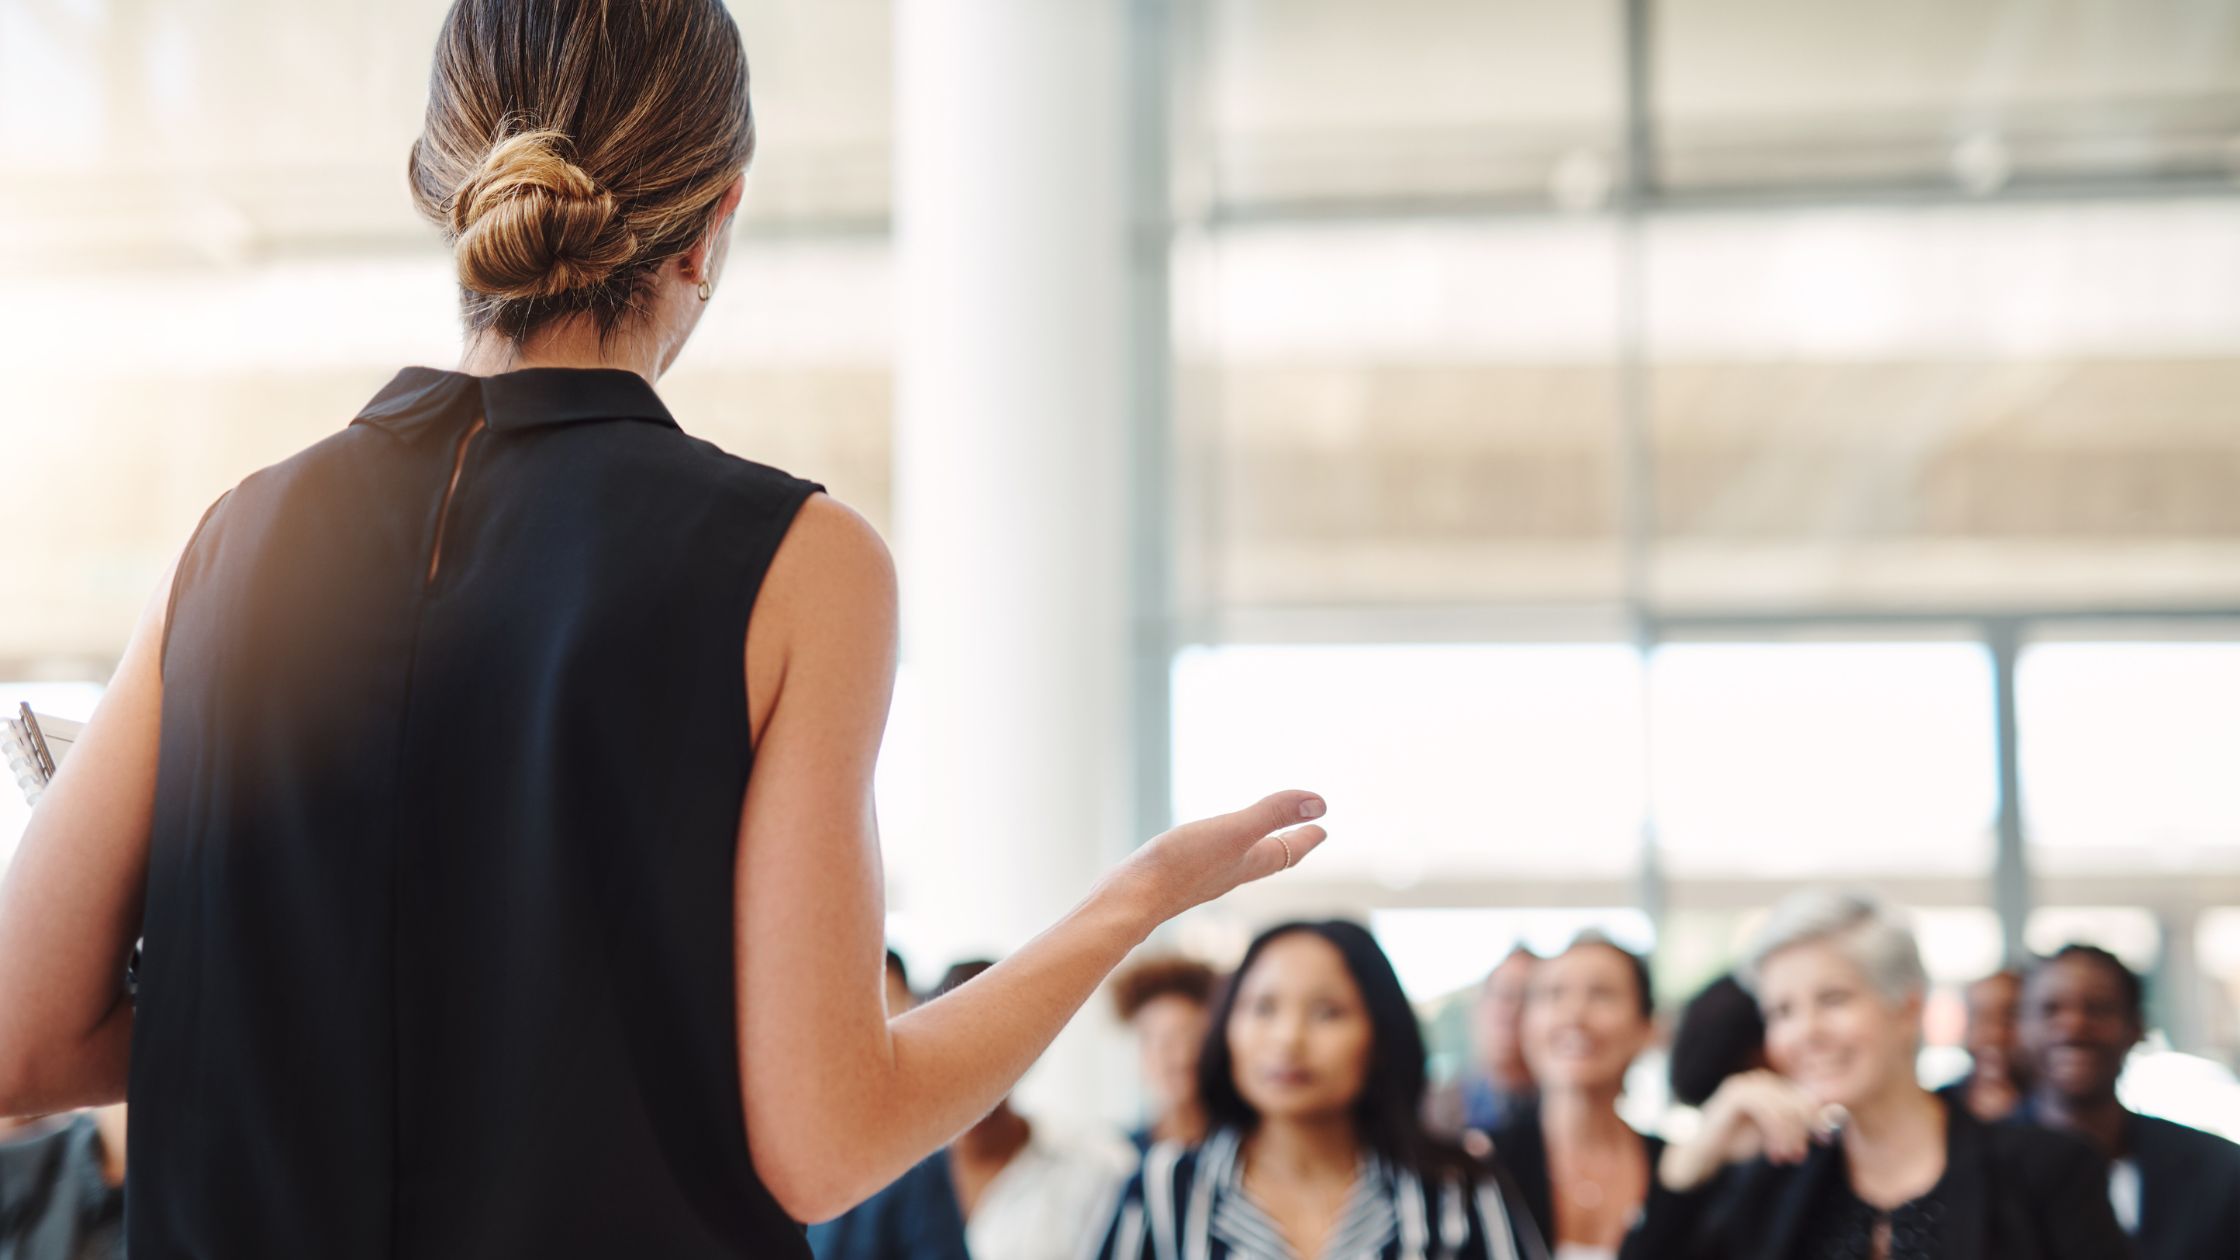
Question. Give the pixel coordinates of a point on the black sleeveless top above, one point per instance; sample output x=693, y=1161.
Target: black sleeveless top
x=438, y=953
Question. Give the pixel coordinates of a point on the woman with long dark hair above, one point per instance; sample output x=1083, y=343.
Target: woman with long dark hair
x=491, y=781
x=1312, y=1078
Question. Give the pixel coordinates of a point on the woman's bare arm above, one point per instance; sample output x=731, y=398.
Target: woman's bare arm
x=70, y=908
x=839, y=1100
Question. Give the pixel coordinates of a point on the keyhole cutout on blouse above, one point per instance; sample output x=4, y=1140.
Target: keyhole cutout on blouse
x=443, y=517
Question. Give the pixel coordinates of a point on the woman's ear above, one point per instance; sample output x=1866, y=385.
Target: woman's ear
x=700, y=261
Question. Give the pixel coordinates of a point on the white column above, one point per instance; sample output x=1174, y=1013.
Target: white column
x=1012, y=399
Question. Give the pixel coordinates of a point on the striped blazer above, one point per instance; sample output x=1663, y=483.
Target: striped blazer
x=1189, y=1204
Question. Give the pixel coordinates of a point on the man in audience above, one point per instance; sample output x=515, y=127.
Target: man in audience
x=1495, y=1087
x=1007, y=1189
x=1164, y=1000
x=2175, y=1190
x=1996, y=1079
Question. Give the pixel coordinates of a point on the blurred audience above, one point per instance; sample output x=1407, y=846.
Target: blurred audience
x=1164, y=1000
x=1006, y=1189
x=1839, y=1151
x=1312, y=1077
x=1495, y=1086
x=1721, y=1034
x=1287, y=1116
x=900, y=996
x=62, y=1188
x=1996, y=1079
x=2175, y=1190
x=1581, y=1171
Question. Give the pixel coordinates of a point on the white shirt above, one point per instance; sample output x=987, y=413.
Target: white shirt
x=1052, y=1200
x=2123, y=1194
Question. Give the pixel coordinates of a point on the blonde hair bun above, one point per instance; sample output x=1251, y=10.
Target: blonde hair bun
x=530, y=223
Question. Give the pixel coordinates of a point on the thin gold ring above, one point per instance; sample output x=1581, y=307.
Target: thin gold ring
x=1286, y=852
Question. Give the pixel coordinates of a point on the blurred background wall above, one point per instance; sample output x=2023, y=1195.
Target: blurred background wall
x=1636, y=457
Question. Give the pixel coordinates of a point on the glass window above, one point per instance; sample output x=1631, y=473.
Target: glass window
x=1930, y=93
x=1398, y=416
x=1436, y=759
x=2128, y=753
x=1974, y=407
x=1822, y=759
x=1442, y=951
x=2128, y=932
x=2217, y=942
x=1290, y=103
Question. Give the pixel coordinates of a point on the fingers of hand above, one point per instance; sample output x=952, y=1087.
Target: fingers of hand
x=1785, y=1119
x=1300, y=841
x=1281, y=851
x=1284, y=809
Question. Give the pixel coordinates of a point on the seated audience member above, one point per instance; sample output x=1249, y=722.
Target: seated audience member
x=1164, y=1000
x=62, y=1188
x=1721, y=1034
x=1312, y=1076
x=1843, y=1153
x=1581, y=1171
x=1995, y=1082
x=2175, y=1190
x=900, y=996
x=1496, y=1084
x=1007, y=1189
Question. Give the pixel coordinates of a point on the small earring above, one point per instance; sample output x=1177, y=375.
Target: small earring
x=705, y=291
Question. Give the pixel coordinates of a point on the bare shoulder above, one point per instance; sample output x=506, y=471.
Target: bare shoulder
x=826, y=610
x=832, y=561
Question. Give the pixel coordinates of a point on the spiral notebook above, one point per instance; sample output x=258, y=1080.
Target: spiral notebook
x=34, y=746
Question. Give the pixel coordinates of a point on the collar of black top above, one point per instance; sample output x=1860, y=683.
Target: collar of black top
x=530, y=398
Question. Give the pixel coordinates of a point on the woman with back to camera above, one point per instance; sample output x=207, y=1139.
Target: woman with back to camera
x=1838, y=1150
x=1581, y=1170
x=1312, y=1078
x=426, y=774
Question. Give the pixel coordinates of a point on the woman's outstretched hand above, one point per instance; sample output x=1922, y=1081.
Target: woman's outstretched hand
x=1199, y=861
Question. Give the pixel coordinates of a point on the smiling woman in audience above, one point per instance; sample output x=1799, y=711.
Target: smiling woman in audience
x=1312, y=1078
x=1839, y=1151
x=1581, y=1171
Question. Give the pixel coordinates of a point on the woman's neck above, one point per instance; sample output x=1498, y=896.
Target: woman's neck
x=1582, y=1116
x=1184, y=1122
x=572, y=343
x=1894, y=1145
x=1305, y=1148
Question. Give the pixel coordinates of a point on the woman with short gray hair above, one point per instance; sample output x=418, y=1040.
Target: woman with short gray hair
x=1838, y=1150
x=1872, y=934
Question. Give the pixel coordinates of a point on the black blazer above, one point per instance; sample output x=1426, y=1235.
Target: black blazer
x=2189, y=1188
x=1520, y=1148
x=2189, y=1191
x=2013, y=1193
